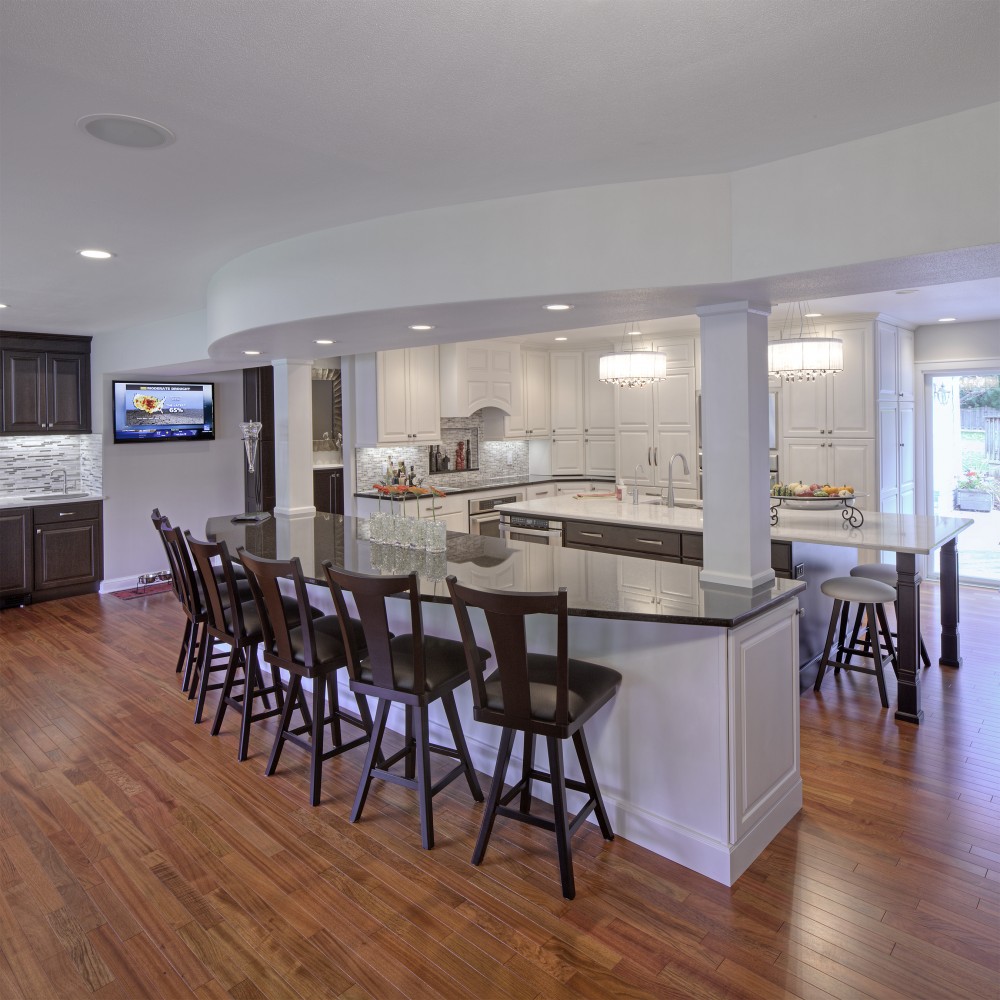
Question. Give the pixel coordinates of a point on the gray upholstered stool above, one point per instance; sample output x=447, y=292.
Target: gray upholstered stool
x=871, y=596
x=885, y=573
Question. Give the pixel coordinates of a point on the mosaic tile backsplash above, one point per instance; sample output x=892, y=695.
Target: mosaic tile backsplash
x=495, y=458
x=27, y=463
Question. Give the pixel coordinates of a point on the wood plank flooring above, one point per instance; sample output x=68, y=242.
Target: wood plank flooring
x=138, y=859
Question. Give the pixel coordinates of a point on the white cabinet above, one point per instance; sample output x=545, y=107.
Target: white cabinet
x=841, y=405
x=566, y=395
x=896, y=457
x=846, y=462
x=567, y=456
x=894, y=367
x=645, y=582
x=600, y=456
x=478, y=374
x=539, y=490
x=536, y=393
x=654, y=423
x=598, y=398
x=408, y=396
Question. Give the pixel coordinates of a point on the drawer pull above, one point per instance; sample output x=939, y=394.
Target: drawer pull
x=650, y=541
x=591, y=534
x=66, y=513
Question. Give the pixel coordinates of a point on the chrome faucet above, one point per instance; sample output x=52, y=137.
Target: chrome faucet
x=635, y=489
x=670, y=476
x=56, y=472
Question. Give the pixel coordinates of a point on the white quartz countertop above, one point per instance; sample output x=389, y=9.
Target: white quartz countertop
x=913, y=533
x=39, y=499
x=319, y=464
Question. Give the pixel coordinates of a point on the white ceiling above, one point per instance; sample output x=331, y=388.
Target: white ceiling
x=299, y=115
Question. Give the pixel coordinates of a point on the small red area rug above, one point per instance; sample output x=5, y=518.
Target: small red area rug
x=148, y=591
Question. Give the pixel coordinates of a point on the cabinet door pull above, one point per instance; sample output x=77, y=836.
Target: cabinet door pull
x=656, y=456
x=66, y=513
x=649, y=456
x=650, y=541
x=591, y=534
x=38, y=531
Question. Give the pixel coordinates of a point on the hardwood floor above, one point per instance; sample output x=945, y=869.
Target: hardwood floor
x=138, y=859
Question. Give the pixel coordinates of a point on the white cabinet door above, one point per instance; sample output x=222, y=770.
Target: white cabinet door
x=888, y=448
x=804, y=461
x=536, y=393
x=803, y=408
x=852, y=463
x=907, y=448
x=423, y=394
x=567, y=456
x=887, y=357
x=392, y=391
x=566, y=397
x=904, y=343
x=675, y=431
x=851, y=405
x=599, y=456
x=635, y=449
x=540, y=490
x=598, y=398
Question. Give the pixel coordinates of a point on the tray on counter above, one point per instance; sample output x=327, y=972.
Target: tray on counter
x=851, y=514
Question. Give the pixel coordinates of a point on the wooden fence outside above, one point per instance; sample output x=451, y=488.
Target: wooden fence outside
x=974, y=417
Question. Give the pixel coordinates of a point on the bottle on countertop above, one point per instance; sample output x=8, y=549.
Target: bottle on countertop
x=620, y=491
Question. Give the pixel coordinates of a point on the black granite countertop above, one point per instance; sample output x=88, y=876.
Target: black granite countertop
x=593, y=579
x=499, y=482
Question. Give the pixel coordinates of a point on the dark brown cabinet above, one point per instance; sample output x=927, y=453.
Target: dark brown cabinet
x=44, y=384
x=68, y=549
x=328, y=490
x=15, y=552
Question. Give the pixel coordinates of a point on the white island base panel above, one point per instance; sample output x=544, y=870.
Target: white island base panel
x=697, y=756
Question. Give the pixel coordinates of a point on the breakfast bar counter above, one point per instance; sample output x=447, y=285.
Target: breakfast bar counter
x=698, y=755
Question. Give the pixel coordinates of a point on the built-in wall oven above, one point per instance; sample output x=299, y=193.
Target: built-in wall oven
x=484, y=518
x=522, y=528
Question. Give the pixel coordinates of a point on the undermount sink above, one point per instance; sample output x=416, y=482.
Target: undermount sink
x=662, y=502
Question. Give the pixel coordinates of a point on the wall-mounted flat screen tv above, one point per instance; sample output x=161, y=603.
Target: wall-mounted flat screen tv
x=163, y=411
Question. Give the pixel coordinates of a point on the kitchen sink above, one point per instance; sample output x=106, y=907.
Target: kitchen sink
x=56, y=496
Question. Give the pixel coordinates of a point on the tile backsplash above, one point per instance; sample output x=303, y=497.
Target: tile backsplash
x=495, y=458
x=27, y=463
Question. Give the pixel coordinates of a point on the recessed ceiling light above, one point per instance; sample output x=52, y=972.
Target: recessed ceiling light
x=421, y=326
x=93, y=254
x=947, y=319
x=125, y=130
x=812, y=315
x=907, y=291
x=326, y=342
x=558, y=306
x=562, y=338
x=3, y=305
x=251, y=352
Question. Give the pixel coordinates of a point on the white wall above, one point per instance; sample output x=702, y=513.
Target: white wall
x=957, y=342
x=188, y=480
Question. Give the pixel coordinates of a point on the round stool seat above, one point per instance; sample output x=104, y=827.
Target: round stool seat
x=882, y=572
x=858, y=590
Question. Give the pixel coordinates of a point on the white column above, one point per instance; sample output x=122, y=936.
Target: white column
x=734, y=421
x=293, y=438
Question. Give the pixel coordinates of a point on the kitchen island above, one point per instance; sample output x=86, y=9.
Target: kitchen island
x=698, y=756
x=675, y=533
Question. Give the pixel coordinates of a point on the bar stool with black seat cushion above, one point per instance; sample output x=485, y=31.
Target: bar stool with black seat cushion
x=871, y=596
x=412, y=670
x=537, y=694
x=307, y=647
x=885, y=573
x=236, y=623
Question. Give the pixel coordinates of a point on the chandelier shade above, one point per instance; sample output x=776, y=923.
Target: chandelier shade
x=807, y=356
x=632, y=368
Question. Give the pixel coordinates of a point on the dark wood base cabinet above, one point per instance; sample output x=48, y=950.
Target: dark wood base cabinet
x=328, y=491
x=50, y=551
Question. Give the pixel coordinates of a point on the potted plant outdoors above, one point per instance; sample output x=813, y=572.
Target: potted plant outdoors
x=972, y=492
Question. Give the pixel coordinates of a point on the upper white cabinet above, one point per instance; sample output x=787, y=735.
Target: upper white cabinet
x=478, y=374
x=843, y=404
x=894, y=355
x=598, y=397
x=535, y=367
x=408, y=396
x=566, y=396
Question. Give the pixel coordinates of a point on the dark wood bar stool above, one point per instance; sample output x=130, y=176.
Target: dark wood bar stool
x=871, y=596
x=189, y=642
x=412, y=670
x=235, y=622
x=307, y=646
x=539, y=695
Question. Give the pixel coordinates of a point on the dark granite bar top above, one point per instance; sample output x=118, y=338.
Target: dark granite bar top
x=500, y=482
x=599, y=584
